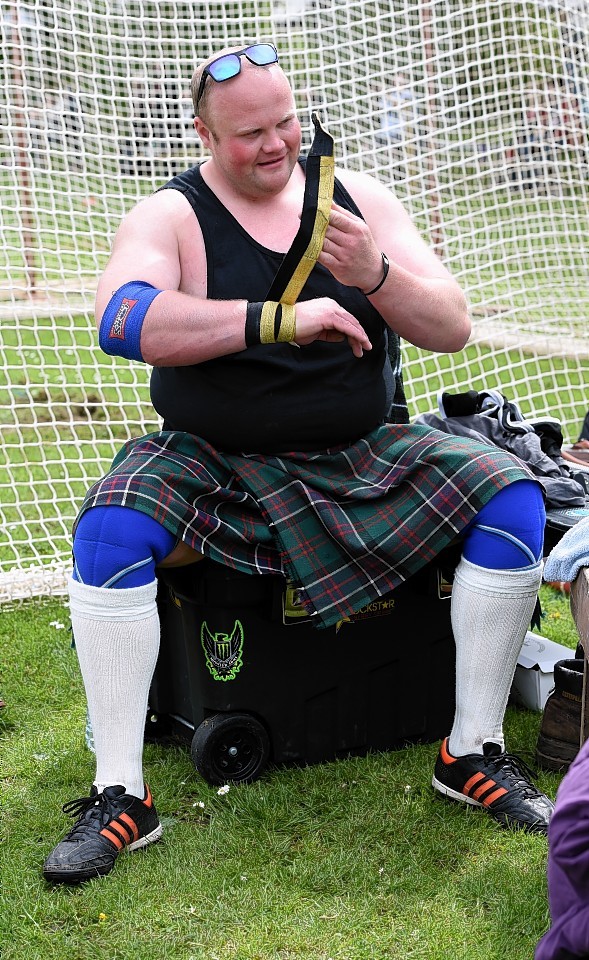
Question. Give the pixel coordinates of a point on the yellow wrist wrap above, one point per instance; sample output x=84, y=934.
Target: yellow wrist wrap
x=270, y=322
x=285, y=314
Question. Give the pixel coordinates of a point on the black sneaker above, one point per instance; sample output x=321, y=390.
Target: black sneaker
x=494, y=780
x=108, y=822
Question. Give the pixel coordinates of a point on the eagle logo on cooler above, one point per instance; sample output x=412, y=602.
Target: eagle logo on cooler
x=117, y=331
x=223, y=651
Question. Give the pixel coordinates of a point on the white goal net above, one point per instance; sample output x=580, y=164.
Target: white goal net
x=476, y=114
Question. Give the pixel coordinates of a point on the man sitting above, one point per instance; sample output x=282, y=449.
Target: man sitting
x=284, y=450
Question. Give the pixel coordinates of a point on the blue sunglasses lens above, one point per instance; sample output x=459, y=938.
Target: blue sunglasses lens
x=225, y=67
x=262, y=54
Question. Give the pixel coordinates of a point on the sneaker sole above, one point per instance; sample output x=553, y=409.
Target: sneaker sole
x=454, y=794
x=146, y=840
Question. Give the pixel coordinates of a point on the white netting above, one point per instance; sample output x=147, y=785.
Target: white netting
x=477, y=115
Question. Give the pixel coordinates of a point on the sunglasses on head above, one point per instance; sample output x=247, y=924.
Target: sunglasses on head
x=229, y=65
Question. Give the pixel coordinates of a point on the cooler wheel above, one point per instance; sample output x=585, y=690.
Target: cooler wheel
x=230, y=748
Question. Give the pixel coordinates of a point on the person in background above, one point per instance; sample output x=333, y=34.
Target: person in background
x=399, y=127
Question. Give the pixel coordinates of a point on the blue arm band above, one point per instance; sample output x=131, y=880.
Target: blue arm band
x=120, y=327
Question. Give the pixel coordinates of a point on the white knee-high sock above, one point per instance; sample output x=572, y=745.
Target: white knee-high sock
x=117, y=634
x=491, y=612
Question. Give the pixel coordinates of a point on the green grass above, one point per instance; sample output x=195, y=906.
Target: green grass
x=352, y=860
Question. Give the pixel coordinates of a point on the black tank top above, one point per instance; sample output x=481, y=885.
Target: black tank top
x=273, y=398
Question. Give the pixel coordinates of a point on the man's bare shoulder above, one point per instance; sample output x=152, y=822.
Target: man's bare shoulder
x=166, y=212
x=166, y=200
x=350, y=177
x=367, y=191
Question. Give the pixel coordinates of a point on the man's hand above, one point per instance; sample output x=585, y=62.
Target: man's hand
x=324, y=319
x=349, y=250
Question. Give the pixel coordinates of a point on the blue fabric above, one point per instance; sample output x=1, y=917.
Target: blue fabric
x=119, y=547
x=122, y=320
x=508, y=533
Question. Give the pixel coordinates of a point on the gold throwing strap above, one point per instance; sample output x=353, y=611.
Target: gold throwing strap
x=306, y=246
x=272, y=312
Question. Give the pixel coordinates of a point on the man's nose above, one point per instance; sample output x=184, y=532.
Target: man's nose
x=272, y=141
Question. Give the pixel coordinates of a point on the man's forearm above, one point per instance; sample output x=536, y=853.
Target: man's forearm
x=429, y=312
x=181, y=330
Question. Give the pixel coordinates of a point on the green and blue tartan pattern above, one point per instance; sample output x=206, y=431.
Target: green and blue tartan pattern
x=347, y=525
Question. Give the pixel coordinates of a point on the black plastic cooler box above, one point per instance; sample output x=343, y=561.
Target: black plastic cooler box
x=245, y=676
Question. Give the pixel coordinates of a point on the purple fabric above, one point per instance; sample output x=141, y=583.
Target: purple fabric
x=568, y=867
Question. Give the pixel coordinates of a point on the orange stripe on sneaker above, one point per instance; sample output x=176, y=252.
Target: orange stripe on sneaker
x=130, y=823
x=119, y=844
x=124, y=832
x=499, y=792
x=472, y=781
x=148, y=801
x=484, y=787
x=445, y=753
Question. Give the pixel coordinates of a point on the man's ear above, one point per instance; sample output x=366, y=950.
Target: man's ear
x=203, y=131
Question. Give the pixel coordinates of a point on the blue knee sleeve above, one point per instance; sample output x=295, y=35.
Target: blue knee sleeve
x=119, y=547
x=509, y=530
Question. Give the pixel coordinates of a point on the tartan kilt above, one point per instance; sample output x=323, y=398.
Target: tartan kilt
x=347, y=525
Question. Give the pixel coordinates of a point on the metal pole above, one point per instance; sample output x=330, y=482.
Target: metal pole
x=23, y=163
x=437, y=233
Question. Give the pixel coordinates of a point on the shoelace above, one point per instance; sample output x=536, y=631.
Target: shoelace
x=86, y=809
x=519, y=769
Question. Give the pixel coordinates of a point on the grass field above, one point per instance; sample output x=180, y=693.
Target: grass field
x=352, y=860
